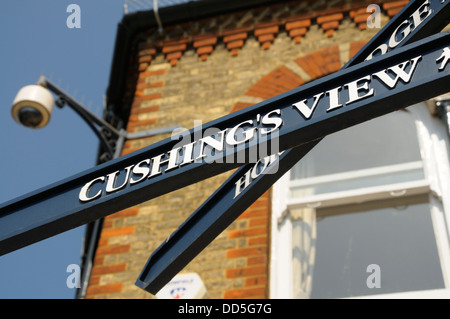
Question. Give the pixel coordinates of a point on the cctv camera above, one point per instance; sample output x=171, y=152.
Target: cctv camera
x=33, y=106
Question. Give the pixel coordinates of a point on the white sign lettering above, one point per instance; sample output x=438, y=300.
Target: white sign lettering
x=360, y=89
x=185, y=154
x=403, y=30
x=258, y=169
x=246, y=131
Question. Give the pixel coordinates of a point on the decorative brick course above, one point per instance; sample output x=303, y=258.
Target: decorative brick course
x=264, y=25
x=117, y=231
x=104, y=289
x=321, y=63
x=394, y=7
x=112, y=250
x=110, y=269
x=276, y=82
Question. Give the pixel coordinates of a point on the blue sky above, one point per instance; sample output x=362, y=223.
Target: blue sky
x=35, y=40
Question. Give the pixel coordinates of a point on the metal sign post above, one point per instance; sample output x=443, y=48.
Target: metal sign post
x=419, y=19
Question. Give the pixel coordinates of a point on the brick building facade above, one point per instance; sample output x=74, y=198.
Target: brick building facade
x=200, y=69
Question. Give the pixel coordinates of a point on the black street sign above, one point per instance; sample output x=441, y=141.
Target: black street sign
x=332, y=103
x=357, y=94
x=351, y=96
x=417, y=20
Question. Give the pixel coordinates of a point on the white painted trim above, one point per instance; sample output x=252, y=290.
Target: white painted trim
x=281, y=243
x=357, y=174
x=360, y=195
x=435, y=151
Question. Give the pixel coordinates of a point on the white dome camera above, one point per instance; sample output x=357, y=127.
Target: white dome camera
x=33, y=106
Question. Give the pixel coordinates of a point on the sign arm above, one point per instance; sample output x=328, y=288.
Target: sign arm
x=212, y=217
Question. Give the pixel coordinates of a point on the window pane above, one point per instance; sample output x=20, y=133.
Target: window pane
x=383, y=141
x=397, y=235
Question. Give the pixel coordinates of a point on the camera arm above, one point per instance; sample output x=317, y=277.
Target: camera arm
x=100, y=127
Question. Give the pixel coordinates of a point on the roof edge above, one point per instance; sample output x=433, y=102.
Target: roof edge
x=135, y=22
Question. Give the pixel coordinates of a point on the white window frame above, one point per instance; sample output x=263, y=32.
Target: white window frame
x=434, y=146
